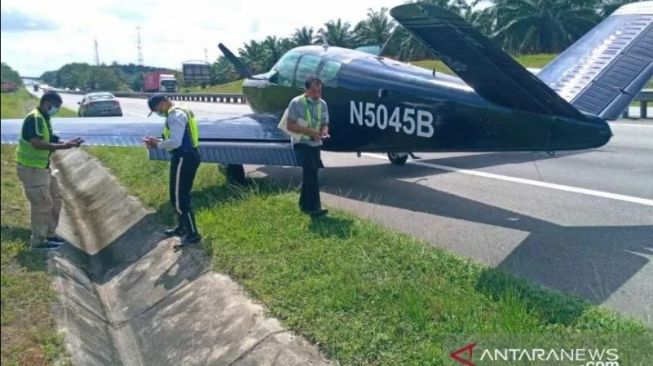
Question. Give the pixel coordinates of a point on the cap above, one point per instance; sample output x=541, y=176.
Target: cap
x=154, y=100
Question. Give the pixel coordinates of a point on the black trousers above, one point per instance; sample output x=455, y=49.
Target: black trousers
x=183, y=167
x=308, y=157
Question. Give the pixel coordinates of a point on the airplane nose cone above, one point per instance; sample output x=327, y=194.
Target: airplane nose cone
x=577, y=135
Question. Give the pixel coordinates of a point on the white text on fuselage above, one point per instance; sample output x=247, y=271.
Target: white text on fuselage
x=410, y=121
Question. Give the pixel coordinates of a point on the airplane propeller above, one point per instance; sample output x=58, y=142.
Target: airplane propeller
x=239, y=65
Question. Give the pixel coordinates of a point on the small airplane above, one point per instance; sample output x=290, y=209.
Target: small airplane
x=377, y=104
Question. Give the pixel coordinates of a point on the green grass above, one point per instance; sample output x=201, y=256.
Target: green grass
x=528, y=61
x=29, y=335
x=234, y=87
x=18, y=104
x=366, y=294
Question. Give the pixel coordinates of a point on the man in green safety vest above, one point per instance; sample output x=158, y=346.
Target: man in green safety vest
x=308, y=115
x=181, y=138
x=35, y=145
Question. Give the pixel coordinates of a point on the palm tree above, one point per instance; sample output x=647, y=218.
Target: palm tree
x=536, y=26
x=376, y=29
x=254, y=55
x=303, y=36
x=337, y=34
x=274, y=49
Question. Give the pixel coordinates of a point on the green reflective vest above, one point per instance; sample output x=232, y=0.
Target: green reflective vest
x=28, y=155
x=309, y=118
x=192, y=126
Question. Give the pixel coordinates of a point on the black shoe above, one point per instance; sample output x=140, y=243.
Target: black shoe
x=48, y=245
x=175, y=231
x=318, y=213
x=55, y=239
x=188, y=240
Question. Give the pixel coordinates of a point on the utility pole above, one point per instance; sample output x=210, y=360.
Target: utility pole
x=139, y=46
x=206, y=55
x=97, y=54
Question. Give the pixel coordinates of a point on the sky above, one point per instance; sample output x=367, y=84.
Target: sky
x=38, y=36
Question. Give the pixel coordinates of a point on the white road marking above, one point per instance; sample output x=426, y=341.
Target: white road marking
x=560, y=187
x=135, y=114
x=630, y=125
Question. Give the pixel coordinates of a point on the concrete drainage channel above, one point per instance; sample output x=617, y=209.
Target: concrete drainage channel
x=127, y=298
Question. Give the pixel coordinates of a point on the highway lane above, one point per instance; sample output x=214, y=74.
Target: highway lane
x=556, y=234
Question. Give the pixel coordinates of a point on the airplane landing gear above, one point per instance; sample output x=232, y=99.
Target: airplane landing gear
x=398, y=158
x=235, y=174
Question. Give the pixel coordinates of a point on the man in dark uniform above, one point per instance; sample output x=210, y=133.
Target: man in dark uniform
x=181, y=139
x=35, y=145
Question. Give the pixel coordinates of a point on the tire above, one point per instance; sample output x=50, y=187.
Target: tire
x=399, y=158
x=235, y=174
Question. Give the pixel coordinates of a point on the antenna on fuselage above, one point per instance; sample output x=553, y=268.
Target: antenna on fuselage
x=325, y=43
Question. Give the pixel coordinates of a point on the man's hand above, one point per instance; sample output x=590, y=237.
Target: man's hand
x=73, y=143
x=316, y=135
x=324, y=132
x=150, y=142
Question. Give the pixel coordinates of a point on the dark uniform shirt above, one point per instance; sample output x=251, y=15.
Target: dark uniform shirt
x=29, y=129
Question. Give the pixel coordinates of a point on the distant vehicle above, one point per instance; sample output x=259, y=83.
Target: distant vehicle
x=159, y=81
x=99, y=105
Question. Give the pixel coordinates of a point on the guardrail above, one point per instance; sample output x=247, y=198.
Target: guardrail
x=643, y=98
x=192, y=97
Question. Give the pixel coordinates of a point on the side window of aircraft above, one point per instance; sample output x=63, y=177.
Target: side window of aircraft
x=329, y=72
x=307, y=67
x=286, y=69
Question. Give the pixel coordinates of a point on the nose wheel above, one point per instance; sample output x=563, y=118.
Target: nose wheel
x=398, y=158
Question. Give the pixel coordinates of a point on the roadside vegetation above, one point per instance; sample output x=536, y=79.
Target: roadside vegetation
x=29, y=334
x=21, y=102
x=365, y=294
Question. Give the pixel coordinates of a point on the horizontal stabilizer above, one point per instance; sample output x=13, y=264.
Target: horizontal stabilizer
x=605, y=70
x=492, y=73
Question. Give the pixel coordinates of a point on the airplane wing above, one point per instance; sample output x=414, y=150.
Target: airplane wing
x=492, y=73
x=248, y=139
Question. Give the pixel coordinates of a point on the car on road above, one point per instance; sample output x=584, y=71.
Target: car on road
x=99, y=105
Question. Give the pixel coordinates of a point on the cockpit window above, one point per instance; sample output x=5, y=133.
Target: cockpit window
x=307, y=67
x=285, y=68
x=329, y=72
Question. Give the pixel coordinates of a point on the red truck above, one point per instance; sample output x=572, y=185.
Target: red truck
x=159, y=81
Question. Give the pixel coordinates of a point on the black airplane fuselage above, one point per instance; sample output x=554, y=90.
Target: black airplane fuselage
x=378, y=104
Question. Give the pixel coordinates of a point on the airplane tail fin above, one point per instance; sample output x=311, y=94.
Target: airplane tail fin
x=602, y=72
x=492, y=73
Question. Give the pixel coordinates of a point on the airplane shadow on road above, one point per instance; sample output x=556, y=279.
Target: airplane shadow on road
x=590, y=261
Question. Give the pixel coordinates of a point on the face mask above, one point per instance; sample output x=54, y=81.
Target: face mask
x=53, y=110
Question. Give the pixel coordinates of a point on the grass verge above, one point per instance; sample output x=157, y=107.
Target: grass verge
x=234, y=87
x=366, y=294
x=21, y=102
x=29, y=335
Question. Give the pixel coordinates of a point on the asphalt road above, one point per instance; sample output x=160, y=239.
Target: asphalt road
x=579, y=222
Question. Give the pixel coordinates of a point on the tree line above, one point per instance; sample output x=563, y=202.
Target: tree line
x=519, y=26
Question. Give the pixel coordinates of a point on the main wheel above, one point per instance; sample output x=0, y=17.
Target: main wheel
x=398, y=158
x=236, y=174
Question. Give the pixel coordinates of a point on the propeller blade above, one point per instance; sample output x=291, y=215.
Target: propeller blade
x=239, y=65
